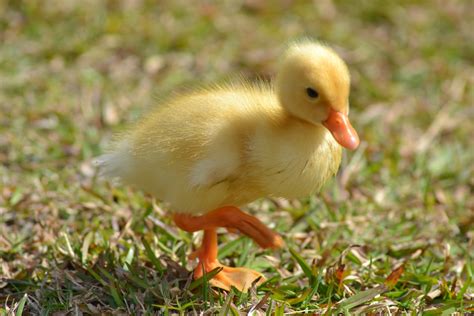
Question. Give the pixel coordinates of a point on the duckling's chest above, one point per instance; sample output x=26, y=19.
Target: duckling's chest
x=293, y=166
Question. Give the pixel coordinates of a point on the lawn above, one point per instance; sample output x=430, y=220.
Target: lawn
x=392, y=233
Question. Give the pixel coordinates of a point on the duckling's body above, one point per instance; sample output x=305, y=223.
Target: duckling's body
x=211, y=150
x=227, y=146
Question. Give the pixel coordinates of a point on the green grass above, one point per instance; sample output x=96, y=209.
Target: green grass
x=393, y=232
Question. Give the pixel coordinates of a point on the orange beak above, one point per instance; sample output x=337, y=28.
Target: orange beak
x=341, y=129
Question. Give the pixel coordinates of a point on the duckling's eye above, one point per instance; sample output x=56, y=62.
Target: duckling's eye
x=313, y=94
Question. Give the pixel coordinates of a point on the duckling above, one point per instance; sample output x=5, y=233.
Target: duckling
x=210, y=151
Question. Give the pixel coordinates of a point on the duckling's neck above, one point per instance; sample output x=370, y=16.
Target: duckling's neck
x=286, y=121
x=297, y=156
x=290, y=134
x=290, y=118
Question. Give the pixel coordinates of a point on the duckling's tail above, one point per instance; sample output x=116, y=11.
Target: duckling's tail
x=115, y=164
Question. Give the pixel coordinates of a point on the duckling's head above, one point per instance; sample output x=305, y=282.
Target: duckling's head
x=313, y=85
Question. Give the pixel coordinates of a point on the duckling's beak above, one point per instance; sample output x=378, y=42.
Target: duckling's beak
x=341, y=129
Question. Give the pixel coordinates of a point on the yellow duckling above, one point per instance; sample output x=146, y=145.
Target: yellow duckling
x=210, y=151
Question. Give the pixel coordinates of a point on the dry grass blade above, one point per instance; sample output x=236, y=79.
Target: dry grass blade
x=367, y=295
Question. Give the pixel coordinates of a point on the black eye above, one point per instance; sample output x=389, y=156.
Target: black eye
x=312, y=93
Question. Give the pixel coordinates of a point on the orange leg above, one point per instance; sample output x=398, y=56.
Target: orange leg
x=234, y=219
x=231, y=218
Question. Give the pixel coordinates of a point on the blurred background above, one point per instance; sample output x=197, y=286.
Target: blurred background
x=72, y=73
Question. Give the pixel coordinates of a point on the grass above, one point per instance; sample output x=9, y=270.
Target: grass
x=394, y=232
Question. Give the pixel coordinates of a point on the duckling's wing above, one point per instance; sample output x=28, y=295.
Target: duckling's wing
x=217, y=167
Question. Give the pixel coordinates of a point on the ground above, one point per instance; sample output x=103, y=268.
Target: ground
x=394, y=232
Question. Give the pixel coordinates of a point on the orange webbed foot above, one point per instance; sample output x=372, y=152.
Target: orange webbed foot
x=240, y=278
